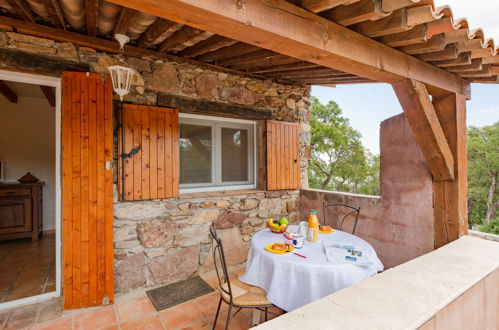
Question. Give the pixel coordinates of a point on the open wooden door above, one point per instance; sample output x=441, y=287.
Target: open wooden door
x=87, y=190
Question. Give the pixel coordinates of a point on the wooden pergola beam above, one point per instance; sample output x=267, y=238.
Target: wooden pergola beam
x=124, y=20
x=55, y=12
x=91, y=13
x=426, y=128
x=291, y=30
x=6, y=91
x=22, y=9
x=49, y=94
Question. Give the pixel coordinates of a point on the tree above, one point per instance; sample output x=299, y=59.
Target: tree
x=483, y=171
x=338, y=159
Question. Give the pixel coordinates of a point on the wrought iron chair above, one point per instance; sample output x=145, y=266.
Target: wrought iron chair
x=232, y=291
x=354, y=211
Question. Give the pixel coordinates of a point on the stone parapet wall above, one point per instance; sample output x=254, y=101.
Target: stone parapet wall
x=164, y=241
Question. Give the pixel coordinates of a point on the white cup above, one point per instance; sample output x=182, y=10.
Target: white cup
x=303, y=228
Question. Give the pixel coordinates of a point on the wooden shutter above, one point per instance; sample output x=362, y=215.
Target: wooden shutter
x=283, y=155
x=152, y=171
x=87, y=190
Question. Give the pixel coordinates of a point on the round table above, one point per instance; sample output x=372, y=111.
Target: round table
x=292, y=281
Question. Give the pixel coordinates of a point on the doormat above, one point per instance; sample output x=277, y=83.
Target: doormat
x=176, y=293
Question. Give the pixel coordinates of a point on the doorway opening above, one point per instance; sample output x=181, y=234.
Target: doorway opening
x=30, y=268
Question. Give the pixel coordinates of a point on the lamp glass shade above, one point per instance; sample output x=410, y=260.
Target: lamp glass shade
x=121, y=77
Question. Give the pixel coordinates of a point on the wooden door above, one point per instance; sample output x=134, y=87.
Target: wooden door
x=87, y=190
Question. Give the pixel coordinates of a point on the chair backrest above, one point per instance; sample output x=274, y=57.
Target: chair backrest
x=220, y=263
x=351, y=211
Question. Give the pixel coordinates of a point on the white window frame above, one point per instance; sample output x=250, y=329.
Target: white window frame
x=216, y=124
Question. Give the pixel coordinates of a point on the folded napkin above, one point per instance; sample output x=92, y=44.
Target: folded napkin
x=344, y=253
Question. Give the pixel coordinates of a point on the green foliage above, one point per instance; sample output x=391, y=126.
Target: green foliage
x=492, y=228
x=483, y=170
x=338, y=159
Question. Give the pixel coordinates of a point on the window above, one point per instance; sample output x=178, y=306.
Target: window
x=216, y=153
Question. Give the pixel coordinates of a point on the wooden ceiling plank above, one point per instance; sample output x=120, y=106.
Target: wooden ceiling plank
x=322, y=73
x=483, y=73
x=392, y=5
x=457, y=35
x=6, y=91
x=211, y=44
x=462, y=59
x=487, y=80
x=242, y=59
x=416, y=35
x=236, y=49
x=469, y=45
x=476, y=65
x=194, y=41
x=449, y=53
x=92, y=12
x=358, y=12
x=49, y=94
x=483, y=52
x=284, y=67
x=160, y=29
x=268, y=61
x=395, y=23
x=55, y=13
x=22, y=9
x=124, y=20
x=318, y=6
x=426, y=128
x=179, y=37
x=490, y=60
x=435, y=44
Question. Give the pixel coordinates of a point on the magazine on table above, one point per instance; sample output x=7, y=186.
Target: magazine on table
x=345, y=254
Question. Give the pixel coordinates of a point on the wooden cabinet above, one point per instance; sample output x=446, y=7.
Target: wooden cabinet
x=21, y=212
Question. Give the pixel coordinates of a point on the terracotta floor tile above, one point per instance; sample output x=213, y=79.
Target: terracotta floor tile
x=181, y=315
x=49, y=310
x=60, y=324
x=238, y=322
x=4, y=316
x=135, y=308
x=151, y=322
x=208, y=304
x=201, y=325
x=95, y=319
x=111, y=327
x=22, y=317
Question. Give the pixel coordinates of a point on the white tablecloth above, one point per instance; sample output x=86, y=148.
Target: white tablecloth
x=292, y=281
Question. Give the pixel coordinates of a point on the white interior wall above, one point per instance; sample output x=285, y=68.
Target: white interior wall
x=27, y=144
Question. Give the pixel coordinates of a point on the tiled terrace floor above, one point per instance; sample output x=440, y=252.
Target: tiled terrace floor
x=27, y=268
x=131, y=311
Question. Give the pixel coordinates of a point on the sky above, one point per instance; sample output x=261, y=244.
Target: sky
x=367, y=105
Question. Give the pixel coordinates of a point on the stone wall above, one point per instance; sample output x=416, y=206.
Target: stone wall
x=169, y=239
x=399, y=223
x=163, y=241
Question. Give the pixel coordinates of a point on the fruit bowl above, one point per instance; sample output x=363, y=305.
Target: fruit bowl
x=277, y=227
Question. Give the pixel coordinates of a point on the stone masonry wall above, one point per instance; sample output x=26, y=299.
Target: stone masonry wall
x=163, y=241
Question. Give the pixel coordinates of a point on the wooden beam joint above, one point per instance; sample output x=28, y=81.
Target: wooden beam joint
x=426, y=128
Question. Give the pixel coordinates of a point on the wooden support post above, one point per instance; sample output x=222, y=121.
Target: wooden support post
x=450, y=197
x=426, y=128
